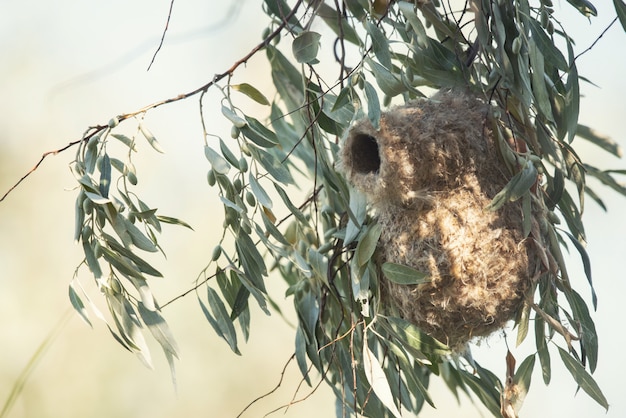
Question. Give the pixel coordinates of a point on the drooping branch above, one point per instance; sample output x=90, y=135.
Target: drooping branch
x=216, y=79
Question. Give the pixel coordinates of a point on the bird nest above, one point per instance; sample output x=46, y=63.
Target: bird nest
x=429, y=172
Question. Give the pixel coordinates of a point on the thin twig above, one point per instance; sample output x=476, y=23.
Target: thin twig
x=217, y=78
x=167, y=24
x=265, y=395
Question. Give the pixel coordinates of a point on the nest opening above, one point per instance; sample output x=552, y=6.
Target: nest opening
x=364, y=153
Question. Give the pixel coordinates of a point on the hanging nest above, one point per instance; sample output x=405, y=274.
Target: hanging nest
x=429, y=173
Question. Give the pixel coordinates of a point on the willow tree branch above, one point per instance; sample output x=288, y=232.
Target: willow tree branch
x=216, y=79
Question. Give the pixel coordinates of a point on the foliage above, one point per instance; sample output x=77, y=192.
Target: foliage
x=515, y=54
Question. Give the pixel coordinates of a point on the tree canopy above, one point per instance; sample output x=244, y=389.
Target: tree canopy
x=292, y=210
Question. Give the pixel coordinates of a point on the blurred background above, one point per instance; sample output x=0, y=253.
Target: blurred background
x=69, y=64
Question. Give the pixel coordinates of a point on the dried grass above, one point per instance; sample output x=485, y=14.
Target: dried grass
x=429, y=172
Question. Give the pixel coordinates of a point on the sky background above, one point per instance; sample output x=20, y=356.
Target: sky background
x=68, y=65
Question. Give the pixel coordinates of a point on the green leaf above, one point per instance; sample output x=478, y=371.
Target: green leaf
x=259, y=192
x=586, y=266
x=131, y=257
x=583, y=378
x=377, y=379
x=138, y=238
x=259, y=134
x=306, y=46
x=222, y=319
x=380, y=45
x=338, y=22
x=523, y=376
x=401, y=274
x=78, y=304
x=388, y=82
x=96, y=198
x=121, y=264
x=173, y=221
x=274, y=166
x=542, y=349
x=150, y=138
x=105, y=175
x=585, y=7
x=373, y=105
x=545, y=45
x=159, y=329
x=413, y=338
x=218, y=163
x=251, y=92
x=367, y=245
x=228, y=154
x=620, y=9
x=130, y=143
x=357, y=213
x=519, y=184
x=90, y=257
x=603, y=141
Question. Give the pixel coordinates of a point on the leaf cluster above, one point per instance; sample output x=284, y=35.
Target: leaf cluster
x=325, y=246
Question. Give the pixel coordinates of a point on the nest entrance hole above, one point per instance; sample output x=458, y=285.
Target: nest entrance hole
x=365, y=157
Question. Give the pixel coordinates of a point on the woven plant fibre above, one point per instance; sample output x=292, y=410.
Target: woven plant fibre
x=429, y=173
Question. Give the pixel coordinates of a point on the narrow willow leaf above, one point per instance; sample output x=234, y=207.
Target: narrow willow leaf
x=588, y=333
x=603, y=141
x=105, y=175
x=522, y=379
x=522, y=325
x=401, y=274
x=136, y=261
x=121, y=264
x=306, y=46
x=90, y=257
x=357, y=213
x=159, y=329
x=375, y=375
x=251, y=92
x=540, y=92
x=259, y=134
x=413, y=338
x=388, y=82
x=78, y=304
x=373, y=105
x=173, y=221
x=150, y=138
x=482, y=391
x=585, y=7
x=620, y=9
x=125, y=140
x=367, y=245
x=292, y=208
x=228, y=154
x=586, y=266
x=338, y=22
x=301, y=355
x=223, y=319
x=218, y=163
x=545, y=45
x=380, y=45
x=97, y=199
x=308, y=309
x=233, y=117
x=583, y=378
x=139, y=239
x=258, y=191
x=275, y=167
x=544, y=356
x=79, y=215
